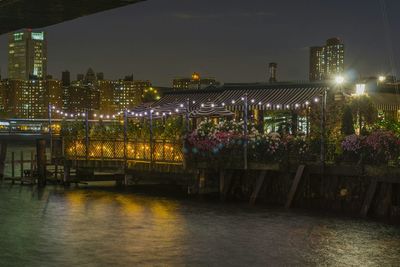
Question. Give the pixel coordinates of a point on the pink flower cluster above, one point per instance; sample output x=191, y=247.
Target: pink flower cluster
x=352, y=143
x=378, y=147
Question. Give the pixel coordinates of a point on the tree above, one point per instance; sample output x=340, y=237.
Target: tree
x=363, y=108
x=347, y=121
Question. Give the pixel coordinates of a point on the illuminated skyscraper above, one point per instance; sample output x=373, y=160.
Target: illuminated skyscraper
x=27, y=55
x=327, y=61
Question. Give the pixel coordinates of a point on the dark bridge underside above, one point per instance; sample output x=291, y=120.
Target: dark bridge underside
x=18, y=14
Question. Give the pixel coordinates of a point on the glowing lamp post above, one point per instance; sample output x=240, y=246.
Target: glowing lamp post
x=339, y=80
x=360, y=91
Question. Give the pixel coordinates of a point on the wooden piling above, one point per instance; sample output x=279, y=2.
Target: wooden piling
x=41, y=161
x=3, y=155
x=67, y=173
x=22, y=165
x=12, y=165
x=225, y=184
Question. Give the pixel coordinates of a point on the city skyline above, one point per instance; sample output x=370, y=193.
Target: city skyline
x=129, y=42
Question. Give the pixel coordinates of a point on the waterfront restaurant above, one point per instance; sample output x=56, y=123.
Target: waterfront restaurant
x=283, y=107
x=273, y=107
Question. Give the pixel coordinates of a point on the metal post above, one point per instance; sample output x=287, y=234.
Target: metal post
x=125, y=135
x=187, y=116
x=151, y=138
x=323, y=128
x=87, y=133
x=245, y=132
x=50, y=131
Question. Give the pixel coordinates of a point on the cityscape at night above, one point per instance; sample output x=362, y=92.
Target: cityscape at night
x=199, y=133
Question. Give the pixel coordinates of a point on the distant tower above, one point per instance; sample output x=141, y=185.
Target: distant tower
x=90, y=77
x=27, y=55
x=272, y=72
x=100, y=76
x=326, y=61
x=66, y=78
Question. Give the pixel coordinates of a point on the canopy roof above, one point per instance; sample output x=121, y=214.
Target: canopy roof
x=386, y=101
x=211, y=110
x=262, y=96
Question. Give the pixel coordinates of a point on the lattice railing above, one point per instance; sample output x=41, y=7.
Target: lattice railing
x=163, y=151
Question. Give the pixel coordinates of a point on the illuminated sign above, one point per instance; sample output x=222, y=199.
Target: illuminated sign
x=18, y=36
x=37, y=36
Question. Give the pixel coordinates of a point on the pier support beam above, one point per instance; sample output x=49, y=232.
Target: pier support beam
x=257, y=189
x=295, y=184
x=369, y=197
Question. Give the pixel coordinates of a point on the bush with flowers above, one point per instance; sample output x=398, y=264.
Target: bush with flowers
x=352, y=147
x=267, y=148
x=223, y=142
x=379, y=147
x=299, y=147
x=382, y=146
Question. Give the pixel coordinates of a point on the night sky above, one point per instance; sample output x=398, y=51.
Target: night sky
x=232, y=40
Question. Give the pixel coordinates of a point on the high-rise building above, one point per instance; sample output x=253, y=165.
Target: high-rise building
x=194, y=82
x=100, y=76
x=80, y=77
x=128, y=94
x=107, y=92
x=27, y=55
x=326, y=61
x=273, y=67
x=30, y=98
x=66, y=78
x=80, y=98
x=90, y=77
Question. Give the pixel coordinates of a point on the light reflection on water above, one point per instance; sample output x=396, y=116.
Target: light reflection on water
x=95, y=227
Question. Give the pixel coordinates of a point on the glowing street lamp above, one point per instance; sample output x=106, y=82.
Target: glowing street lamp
x=339, y=80
x=381, y=78
x=360, y=89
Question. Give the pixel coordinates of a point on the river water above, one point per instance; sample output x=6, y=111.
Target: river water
x=97, y=226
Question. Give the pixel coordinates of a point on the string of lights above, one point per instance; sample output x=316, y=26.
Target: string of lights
x=180, y=108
